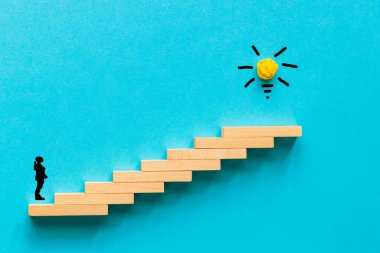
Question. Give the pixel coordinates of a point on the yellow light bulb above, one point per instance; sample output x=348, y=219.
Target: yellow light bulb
x=267, y=68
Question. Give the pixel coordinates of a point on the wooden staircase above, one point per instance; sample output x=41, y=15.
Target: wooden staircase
x=178, y=167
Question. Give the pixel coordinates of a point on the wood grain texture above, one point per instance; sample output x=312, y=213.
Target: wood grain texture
x=96, y=198
x=260, y=142
x=262, y=131
x=176, y=165
x=154, y=176
x=204, y=154
x=109, y=187
x=66, y=210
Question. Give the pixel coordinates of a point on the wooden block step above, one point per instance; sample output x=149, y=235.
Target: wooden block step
x=96, y=198
x=66, y=210
x=204, y=154
x=173, y=165
x=262, y=131
x=154, y=176
x=260, y=142
x=109, y=187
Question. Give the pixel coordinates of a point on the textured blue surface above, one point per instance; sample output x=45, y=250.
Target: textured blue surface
x=95, y=86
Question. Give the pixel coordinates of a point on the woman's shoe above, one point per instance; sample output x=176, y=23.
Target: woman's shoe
x=39, y=198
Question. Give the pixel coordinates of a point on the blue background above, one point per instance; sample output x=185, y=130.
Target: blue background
x=96, y=86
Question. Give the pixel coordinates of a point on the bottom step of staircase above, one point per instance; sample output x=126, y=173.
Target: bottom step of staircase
x=66, y=210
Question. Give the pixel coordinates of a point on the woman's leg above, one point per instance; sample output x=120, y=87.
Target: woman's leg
x=40, y=184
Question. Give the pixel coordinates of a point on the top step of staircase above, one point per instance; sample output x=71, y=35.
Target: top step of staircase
x=261, y=131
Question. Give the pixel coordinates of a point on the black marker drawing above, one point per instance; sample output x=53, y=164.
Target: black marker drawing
x=283, y=81
x=245, y=67
x=267, y=88
x=255, y=49
x=289, y=65
x=279, y=52
x=249, y=82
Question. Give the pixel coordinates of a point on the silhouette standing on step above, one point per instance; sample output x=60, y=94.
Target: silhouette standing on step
x=40, y=177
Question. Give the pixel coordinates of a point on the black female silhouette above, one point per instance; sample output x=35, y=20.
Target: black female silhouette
x=40, y=177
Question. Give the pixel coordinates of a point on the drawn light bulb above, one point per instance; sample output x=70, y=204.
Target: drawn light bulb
x=266, y=70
